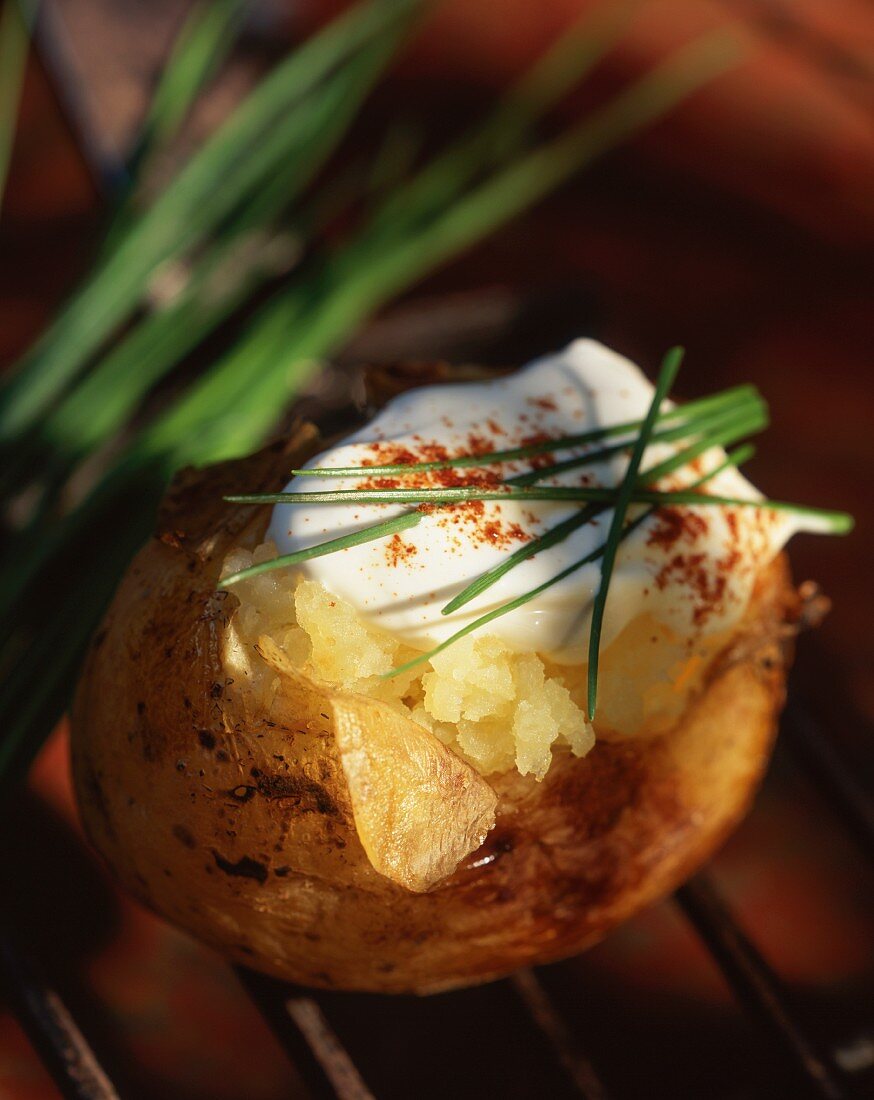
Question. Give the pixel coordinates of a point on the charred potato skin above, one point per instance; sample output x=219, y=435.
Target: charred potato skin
x=241, y=832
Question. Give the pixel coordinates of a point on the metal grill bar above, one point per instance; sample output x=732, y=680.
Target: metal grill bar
x=754, y=983
x=309, y=1040
x=549, y=1020
x=822, y=761
x=54, y=1033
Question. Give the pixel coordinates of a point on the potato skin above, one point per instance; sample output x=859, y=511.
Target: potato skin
x=241, y=832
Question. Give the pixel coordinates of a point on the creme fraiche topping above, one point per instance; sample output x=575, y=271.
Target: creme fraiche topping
x=691, y=567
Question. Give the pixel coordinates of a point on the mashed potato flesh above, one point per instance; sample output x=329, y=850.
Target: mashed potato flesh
x=497, y=708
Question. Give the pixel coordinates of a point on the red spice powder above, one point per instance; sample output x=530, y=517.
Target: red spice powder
x=394, y=454
x=708, y=588
x=397, y=551
x=470, y=517
x=675, y=524
x=502, y=535
x=731, y=561
x=537, y=462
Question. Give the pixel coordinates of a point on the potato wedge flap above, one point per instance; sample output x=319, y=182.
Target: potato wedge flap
x=418, y=808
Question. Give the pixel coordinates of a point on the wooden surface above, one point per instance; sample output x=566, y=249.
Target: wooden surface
x=742, y=229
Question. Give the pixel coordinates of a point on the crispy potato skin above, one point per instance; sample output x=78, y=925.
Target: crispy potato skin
x=242, y=833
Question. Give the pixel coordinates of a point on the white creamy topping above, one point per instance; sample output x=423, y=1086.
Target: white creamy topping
x=692, y=568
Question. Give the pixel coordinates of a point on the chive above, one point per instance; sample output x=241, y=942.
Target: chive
x=235, y=402
x=370, y=270
x=555, y=535
x=210, y=30
x=574, y=54
x=718, y=429
x=15, y=21
x=462, y=494
x=331, y=546
x=560, y=493
x=737, y=457
x=534, y=92
x=667, y=374
x=834, y=522
x=525, y=181
x=451, y=495
x=338, y=316
x=732, y=429
x=200, y=47
x=725, y=427
x=692, y=409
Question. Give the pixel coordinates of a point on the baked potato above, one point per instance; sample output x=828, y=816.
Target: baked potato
x=320, y=836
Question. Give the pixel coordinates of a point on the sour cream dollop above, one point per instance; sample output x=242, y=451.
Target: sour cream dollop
x=691, y=568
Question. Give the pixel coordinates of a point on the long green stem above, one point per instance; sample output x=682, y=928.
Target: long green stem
x=665, y=380
x=200, y=47
x=155, y=352
x=715, y=428
x=331, y=546
x=831, y=522
x=15, y=20
x=508, y=191
x=209, y=31
x=504, y=131
x=185, y=212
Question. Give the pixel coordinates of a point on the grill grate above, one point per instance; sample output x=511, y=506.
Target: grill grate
x=815, y=751
x=300, y=1024
x=51, y=1028
x=754, y=982
x=546, y=1017
x=301, y=1019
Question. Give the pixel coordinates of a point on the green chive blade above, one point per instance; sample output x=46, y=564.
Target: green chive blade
x=15, y=22
x=667, y=374
x=552, y=537
x=330, y=546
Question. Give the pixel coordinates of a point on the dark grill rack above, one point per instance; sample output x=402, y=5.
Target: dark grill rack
x=301, y=1019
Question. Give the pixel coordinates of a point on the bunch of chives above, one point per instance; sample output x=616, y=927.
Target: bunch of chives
x=84, y=380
